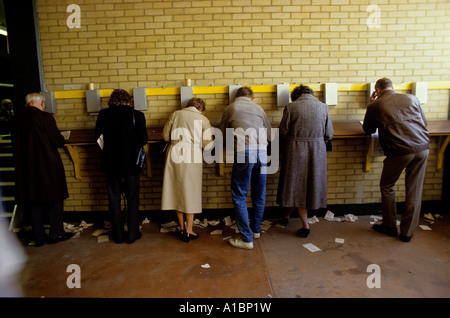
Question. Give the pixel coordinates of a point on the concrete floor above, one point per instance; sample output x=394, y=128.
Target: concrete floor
x=161, y=266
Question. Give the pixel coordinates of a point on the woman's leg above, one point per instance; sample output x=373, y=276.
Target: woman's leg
x=180, y=216
x=303, y=212
x=190, y=223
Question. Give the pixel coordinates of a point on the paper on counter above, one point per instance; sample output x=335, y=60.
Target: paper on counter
x=66, y=134
x=100, y=141
x=311, y=247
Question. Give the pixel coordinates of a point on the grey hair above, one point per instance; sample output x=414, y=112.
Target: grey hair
x=34, y=97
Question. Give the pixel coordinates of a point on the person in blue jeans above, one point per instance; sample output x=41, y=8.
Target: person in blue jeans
x=246, y=174
x=247, y=123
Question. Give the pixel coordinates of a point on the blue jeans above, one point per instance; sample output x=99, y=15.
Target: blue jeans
x=247, y=172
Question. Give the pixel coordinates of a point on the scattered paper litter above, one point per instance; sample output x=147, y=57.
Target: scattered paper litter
x=375, y=218
x=216, y=232
x=167, y=230
x=227, y=238
x=428, y=216
x=145, y=221
x=213, y=222
x=206, y=265
x=72, y=228
x=425, y=227
x=235, y=228
x=311, y=247
x=329, y=216
x=351, y=217
x=199, y=223
x=227, y=221
x=265, y=227
x=339, y=240
x=100, y=231
x=206, y=222
x=312, y=220
x=86, y=225
x=102, y=238
x=169, y=224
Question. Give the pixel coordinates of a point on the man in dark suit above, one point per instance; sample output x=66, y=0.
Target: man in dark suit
x=41, y=180
x=124, y=133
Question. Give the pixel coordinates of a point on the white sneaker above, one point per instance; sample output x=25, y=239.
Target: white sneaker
x=238, y=242
x=256, y=235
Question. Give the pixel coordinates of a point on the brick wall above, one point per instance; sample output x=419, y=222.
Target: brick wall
x=126, y=44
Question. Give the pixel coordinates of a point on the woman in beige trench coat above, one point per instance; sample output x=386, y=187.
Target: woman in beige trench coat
x=188, y=131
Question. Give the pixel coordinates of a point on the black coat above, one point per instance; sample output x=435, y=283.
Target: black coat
x=122, y=139
x=40, y=171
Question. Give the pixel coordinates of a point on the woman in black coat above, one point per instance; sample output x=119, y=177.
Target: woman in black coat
x=124, y=133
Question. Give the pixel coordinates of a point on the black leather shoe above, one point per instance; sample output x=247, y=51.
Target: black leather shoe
x=138, y=236
x=303, y=232
x=405, y=238
x=283, y=221
x=183, y=236
x=65, y=236
x=39, y=243
x=193, y=237
x=380, y=228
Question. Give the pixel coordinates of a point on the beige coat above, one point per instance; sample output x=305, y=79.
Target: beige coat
x=188, y=132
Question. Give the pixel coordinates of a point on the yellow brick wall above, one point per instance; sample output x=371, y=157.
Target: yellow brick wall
x=139, y=43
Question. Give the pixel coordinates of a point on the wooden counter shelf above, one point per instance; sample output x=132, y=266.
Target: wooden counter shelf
x=439, y=128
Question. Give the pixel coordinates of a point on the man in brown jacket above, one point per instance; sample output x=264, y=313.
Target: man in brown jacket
x=404, y=138
x=41, y=180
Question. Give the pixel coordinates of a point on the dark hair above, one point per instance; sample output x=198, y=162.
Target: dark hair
x=383, y=83
x=299, y=91
x=197, y=103
x=120, y=97
x=244, y=91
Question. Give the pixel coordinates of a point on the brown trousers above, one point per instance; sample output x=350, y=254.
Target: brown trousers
x=393, y=166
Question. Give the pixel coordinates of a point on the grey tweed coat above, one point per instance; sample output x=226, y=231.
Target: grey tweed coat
x=304, y=129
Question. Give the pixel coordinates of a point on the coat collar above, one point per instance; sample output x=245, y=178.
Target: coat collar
x=192, y=109
x=306, y=96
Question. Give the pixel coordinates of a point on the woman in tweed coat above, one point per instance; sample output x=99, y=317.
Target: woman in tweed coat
x=304, y=130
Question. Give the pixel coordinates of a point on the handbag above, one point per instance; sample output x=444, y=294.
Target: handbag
x=141, y=153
